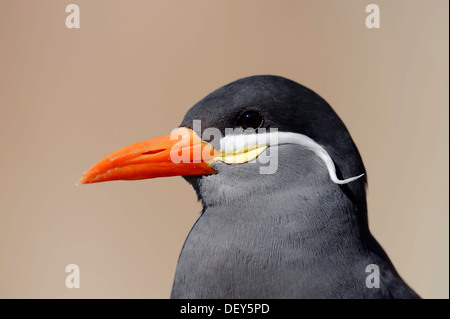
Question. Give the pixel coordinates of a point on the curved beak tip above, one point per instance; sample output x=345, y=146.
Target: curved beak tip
x=83, y=180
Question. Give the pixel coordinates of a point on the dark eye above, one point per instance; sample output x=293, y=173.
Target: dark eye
x=250, y=119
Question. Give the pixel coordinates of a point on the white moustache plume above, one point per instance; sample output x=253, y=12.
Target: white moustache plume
x=232, y=143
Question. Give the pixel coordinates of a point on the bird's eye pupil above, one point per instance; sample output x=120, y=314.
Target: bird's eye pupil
x=250, y=119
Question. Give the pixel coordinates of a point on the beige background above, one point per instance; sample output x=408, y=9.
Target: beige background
x=69, y=97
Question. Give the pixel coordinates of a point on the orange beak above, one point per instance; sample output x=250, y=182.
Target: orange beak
x=182, y=152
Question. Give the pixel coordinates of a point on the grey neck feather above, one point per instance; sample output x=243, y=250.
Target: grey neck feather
x=295, y=224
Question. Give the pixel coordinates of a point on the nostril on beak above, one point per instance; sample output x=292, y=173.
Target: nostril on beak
x=153, y=151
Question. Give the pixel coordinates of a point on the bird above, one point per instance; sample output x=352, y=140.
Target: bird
x=283, y=192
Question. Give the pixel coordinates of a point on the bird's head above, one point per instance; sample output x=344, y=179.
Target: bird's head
x=254, y=133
